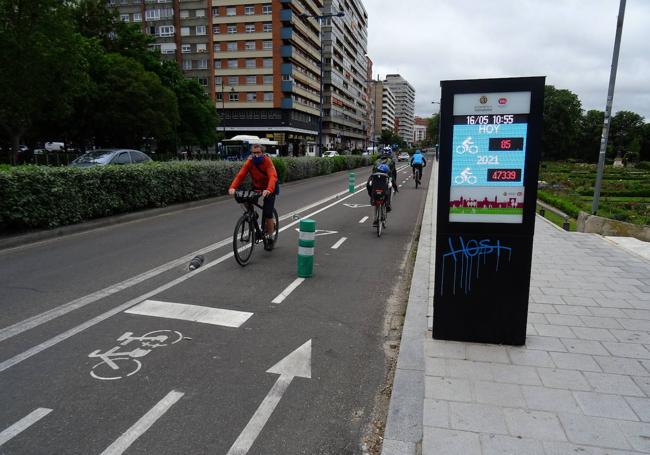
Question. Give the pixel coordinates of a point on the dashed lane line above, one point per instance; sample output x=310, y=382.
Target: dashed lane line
x=363, y=220
x=24, y=423
x=284, y=294
x=339, y=243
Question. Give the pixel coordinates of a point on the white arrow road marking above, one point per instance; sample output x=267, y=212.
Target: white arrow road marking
x=363, y=220
x=96, y=320
x=339, y=243
x=320, y=232
x=24, y=423
x=298, y=363
x=194, y=313
x=356, y=206
x=284, y=294
x=146, y=421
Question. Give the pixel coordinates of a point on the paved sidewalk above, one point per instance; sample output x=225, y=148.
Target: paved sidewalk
x=579, y=386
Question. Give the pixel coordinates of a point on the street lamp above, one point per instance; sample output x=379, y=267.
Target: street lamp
x=438, y=142
x=320, y=18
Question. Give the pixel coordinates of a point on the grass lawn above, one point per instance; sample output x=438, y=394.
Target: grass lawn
x=473, y=211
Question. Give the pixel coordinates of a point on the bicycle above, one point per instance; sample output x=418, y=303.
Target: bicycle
x=380, y=191
x=418, y=176
x=466, y=177
x=247, y=230
x=467, y=146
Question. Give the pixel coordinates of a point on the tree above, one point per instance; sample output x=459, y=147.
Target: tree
x=591, y=128
x=562, y=114
x=42, y=68
x=433, y=125
x=389, y=137
x=625, y=131
x=644, y=152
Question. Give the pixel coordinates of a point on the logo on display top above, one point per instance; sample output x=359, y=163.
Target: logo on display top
x=503, y=101
x=483, y=99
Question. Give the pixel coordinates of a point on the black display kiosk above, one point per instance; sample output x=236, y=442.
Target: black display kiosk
x=490, y=139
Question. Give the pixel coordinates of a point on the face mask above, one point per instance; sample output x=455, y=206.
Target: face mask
x=258, y=159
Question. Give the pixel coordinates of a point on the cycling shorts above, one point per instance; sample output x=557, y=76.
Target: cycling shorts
x=267, y=207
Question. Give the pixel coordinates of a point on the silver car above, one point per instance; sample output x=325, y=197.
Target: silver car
x=102, y=157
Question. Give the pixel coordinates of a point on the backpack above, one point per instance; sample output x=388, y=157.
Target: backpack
x=417, y=159
x=277, y=183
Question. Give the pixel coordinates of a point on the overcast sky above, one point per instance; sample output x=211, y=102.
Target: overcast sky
x=568, y=41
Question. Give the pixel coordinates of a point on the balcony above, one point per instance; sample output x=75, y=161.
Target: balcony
x=287, y=103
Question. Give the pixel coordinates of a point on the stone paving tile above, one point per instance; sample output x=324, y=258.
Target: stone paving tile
x=564, y=448
x=435, y=367
x=451, y=389
x=534, y=424
x=516, y=374
x=544, y=343
x=613, y=302
x=547, y=399
x=637, y=314
x=630, y=350
x=595, y=431
x=581, y=301
x=589, y=333
x=520, y=356
x=638, y=434
x=436, y=413
x=621, y=365
x=584, y=347
x=438, y=441
x=602, y=323
x=641, y=407
x=544, y=308
x=554, y=330
x=477, y=417
x=573, y=310
x=468, y=369
x=537, y=318
x=565, y=319
x=564, y=379
x=570, y=361
x=603, y=405
x=494, y=444
x=607, y=312
x=643, y=382
x=445, y=349
x=498, y=394
x=613, y=383
x=631, y=336
x=634, y=324
x=487, y=353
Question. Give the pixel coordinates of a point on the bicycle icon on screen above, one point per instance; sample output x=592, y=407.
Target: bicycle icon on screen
x=466, y=177
x=467, y=147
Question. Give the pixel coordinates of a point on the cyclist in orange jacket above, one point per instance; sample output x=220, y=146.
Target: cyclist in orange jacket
x=265, y=179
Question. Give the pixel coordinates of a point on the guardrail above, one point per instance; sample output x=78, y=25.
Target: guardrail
x=542, y=211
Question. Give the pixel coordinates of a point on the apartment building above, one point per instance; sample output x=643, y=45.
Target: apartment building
x=345, y=44
x=419, y=130
x=371, y=126
x=384, y=107
x=404, y=105
x=181, y=30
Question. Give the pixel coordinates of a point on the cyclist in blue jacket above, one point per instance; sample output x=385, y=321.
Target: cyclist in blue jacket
x=417, y=161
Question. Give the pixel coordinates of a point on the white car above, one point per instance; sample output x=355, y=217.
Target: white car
x=330, y=153
x=54, y=146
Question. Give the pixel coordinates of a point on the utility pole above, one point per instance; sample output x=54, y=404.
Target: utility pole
x=608, y=109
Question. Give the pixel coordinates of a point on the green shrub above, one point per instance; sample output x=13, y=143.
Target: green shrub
x=41, y=196
x=645, y=165
x=567, y=207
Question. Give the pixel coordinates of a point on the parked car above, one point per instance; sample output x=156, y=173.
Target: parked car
x=330, y=153
x=404, y=156
x=110, y=156
x=54, y=146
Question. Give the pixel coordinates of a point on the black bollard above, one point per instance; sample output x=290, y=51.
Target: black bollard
x=196, y=262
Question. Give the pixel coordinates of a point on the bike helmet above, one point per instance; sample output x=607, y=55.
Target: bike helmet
x=383, y=168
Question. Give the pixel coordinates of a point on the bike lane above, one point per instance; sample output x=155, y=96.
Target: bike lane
x=221, y=371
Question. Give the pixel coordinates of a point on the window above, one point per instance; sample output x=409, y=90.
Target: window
x=152, y=14
x=217, y=80
x=250, y=28
x=267, y=45
x=233, y=97
x=268, y=96
x=185, y=31
x=199, y=13
x=231, y=11
x=217, y=64
x=200, y=30
x=166, y=30
x=137, y=17
x=268, y=63
x=139, y=157
x=203, y=64
x=286, y=77
x=124, y=17
x=251, y=96
x=215, y=11
x=217, y=47
x=167, y=48
x=231, y=46
x=233, y=80
x=232, y=29
x=232, y=64
x=185, y=48
x=250, y=63
x=249, y=10
x=187, y=64
x=152, y=30
x=216, y=29
x=268, y=79
x=203, y=81
x=185, y=13
x=122, y=158
x=251, y=80
x=219, y=96
x=250, y=45
x=268, y=27
x=202, y=47
x=266, y=9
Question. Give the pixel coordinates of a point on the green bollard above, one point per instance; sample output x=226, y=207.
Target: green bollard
x=306, y=242
x=351, y=181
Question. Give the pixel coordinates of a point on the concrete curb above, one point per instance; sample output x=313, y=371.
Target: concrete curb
x=403, y=433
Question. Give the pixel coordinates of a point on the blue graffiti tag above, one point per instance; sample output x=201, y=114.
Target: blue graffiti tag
x=468, y=255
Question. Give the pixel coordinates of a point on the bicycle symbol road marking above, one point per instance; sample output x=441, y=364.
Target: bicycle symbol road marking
x=118, y=364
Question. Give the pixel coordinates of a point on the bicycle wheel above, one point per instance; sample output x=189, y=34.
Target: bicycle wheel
x=126, y=367
x=243, y=241
x=277, y=226
x=384, y=216
x=417, y=178
x=378, y=217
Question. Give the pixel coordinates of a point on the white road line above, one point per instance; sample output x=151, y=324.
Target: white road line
x=194, y=313
x=284, y=294
x=141, y=426
x=363, y=220
x=81, y=302
x=125, y=306
x=401, y=186
x=24, y=423
x=339, y=243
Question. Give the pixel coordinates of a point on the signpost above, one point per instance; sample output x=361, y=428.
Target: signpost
x=489, y=156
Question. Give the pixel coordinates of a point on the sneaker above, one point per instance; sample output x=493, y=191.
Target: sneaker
x=268, y=243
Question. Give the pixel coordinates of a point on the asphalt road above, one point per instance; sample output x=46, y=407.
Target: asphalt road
x=101, y=354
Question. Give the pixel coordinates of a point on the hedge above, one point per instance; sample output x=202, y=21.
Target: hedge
x=567, y=207
x=40, y=196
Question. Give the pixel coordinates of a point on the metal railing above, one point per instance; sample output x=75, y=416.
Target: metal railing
x=543, y=207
